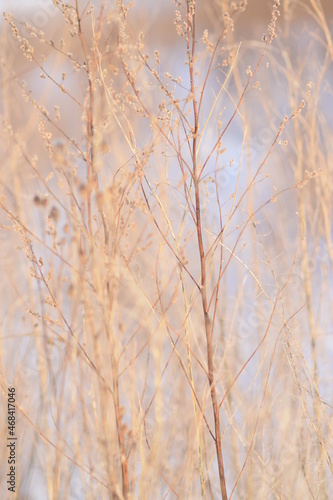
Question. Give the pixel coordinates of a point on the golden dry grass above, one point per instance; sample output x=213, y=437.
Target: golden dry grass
x=166, y=251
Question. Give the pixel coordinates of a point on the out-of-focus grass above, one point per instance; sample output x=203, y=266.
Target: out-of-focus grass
x=135, y=250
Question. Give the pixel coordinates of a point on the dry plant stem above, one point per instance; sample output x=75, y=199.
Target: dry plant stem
x=115, y=378
x=199, y=230
x=90, y=118
x=209, y=341
x=121, y=442
x=93, y=184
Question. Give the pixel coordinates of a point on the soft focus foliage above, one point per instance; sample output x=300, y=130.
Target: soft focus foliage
x=166, y=249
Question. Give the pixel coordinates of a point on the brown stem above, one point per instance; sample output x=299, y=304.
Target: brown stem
x=203, y=288
x=121, y=441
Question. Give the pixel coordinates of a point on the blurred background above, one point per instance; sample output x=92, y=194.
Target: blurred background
x=273, y=326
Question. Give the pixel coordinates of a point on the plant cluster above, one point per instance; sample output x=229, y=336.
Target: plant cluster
x=166, y=250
